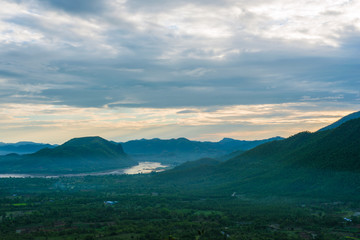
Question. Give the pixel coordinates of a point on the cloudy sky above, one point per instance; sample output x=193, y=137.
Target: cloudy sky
x=188, y=68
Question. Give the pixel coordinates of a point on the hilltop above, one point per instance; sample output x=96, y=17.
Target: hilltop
x=85, y=154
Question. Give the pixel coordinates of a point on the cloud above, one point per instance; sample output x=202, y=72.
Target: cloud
x=57, y=123
x=183, y=55
x=76, y=6
x=186, y=111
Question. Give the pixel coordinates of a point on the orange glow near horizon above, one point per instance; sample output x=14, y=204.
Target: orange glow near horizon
x=57, y=124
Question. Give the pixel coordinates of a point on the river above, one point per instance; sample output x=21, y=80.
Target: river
x=142, y=167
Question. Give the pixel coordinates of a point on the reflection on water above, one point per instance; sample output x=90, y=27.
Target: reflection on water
x=142, y=167
x=14, y=175
x=145, y=167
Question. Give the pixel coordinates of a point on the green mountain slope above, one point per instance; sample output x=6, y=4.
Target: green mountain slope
x=341, y=121
x=337, y=149
x=84, y=148
x=191, y=169
x=323, y=164
x=86, y=154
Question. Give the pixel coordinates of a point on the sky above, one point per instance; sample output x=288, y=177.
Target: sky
x=198, y=69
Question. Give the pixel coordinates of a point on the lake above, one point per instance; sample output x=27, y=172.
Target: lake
x=142, y=167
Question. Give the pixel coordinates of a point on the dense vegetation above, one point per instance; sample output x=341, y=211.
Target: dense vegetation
x=122, y=207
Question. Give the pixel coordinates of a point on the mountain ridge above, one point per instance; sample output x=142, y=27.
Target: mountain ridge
x=85, y=154
x=342, y=120
x=179, y=150
x=320, y=163
x=23, y=147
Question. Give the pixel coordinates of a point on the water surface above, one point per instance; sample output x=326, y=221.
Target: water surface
x=142, y=167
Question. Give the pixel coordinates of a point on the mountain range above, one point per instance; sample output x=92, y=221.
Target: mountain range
x=22, y=147
x=265, y=164
x=175, y=151
x=167, y=151
x=324, y=162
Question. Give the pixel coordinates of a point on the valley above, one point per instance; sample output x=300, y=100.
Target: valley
x=179, y=120
x=142, y=167
x=302, y=187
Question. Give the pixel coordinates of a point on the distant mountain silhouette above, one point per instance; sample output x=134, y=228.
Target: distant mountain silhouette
x=181, y=150
x=341, y=121
x=76, y=155
x=22, y=147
